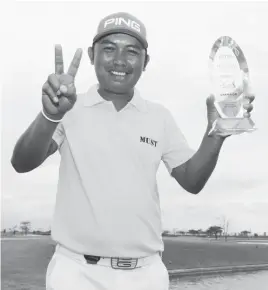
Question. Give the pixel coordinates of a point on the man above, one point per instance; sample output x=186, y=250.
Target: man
x=107, y=221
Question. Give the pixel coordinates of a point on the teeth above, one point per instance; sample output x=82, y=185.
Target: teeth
x=117, y=73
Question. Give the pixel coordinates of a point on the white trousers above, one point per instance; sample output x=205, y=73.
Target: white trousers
x=70, y=271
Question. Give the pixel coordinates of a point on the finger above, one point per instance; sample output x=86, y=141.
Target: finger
x=248, y=107
x=247, y=88
x=67, y=90
x=62, y=90
x=250, y=98
x=210, y=100
x=49, y=106
x=71, y=90
x=75, y=62
x=54, y=82
x=211, y=104
x=246, y=84
x=59, y=69
x=47, y=90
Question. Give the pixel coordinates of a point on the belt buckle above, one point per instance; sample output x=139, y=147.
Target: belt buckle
x=124, y=263
x=92, y=259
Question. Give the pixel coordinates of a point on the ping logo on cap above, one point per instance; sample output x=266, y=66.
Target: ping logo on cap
x=120, y=21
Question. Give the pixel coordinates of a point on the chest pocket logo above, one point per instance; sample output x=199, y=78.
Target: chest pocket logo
x=148, y=141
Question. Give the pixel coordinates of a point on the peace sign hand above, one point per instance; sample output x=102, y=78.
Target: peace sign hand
x=59, y=92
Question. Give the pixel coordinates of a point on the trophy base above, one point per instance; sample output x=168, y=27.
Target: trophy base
x=232, y=126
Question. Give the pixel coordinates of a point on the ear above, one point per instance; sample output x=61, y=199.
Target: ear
x=147, y=59
x=91, y=54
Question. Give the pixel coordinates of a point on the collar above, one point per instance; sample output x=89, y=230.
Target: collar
x=92, y=98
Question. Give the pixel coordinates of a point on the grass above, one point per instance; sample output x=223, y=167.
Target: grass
x=183, y=252
x=24, y=262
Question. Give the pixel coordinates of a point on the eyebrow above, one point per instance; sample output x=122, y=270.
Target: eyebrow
x=106, y=41
x=134, y=46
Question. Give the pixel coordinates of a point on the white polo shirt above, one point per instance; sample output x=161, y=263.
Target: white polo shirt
x=107, y=201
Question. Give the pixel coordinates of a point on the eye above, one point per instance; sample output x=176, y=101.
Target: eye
x=109, y=49
x=133, y=52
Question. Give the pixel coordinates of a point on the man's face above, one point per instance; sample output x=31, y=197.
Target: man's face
x=119, y=60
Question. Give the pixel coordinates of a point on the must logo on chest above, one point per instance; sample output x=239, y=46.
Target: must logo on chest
x=148, y=141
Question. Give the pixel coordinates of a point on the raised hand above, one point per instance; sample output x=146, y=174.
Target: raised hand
x=212, y=113
x=59, y=92
x=248, y=98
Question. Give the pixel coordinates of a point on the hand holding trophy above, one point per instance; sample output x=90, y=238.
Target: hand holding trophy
x=230, y=84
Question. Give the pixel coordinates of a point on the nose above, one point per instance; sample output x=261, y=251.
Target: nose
x=120, y=60
x=119, y=63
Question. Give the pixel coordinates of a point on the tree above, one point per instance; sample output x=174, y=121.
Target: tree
x=214, y=230
x=165, y=233
x=200, y=232
x=182, y=233
x=25, y=226
x=245, y=233
x=224, y=224
x=193, y=232
x=14, y=230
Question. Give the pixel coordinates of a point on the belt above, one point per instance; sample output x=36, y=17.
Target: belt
x=113, y=262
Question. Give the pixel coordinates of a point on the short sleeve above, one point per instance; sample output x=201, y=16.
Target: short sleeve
x=59, y=134
x=176, y=150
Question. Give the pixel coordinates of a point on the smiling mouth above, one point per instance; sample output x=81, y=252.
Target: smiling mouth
x=118, y=73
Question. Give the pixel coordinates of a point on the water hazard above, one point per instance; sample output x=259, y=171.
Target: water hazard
x=242, y=281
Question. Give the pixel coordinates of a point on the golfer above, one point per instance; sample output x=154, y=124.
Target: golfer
x=107, y=220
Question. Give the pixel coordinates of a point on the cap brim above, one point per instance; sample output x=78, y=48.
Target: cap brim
x=121, y=30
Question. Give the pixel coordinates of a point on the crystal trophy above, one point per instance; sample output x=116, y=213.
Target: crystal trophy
x=229, y=79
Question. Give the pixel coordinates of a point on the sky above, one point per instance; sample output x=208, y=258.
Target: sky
x=180, y=36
